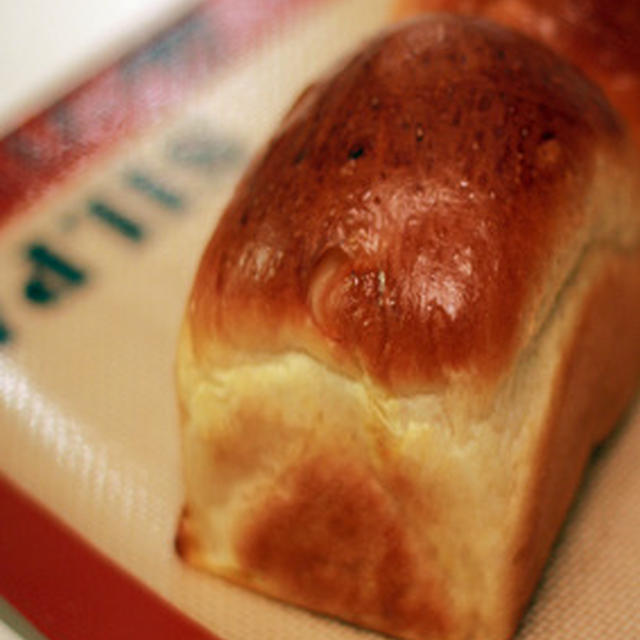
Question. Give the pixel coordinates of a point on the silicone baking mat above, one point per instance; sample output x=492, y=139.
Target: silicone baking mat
x=106, y=201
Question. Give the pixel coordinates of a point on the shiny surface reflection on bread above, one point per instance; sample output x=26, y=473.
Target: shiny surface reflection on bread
x=417, y=316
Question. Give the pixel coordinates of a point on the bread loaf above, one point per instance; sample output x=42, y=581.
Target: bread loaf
x=418, y=314
x=600, y=37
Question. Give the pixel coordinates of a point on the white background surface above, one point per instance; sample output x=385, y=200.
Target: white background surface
x=48, y=46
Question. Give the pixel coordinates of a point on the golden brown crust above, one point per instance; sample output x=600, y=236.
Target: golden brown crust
x=391, y=369
x=401, y=200
x=600, y=37
x=332, y=540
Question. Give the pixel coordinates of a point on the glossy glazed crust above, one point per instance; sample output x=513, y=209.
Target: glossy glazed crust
x=415, y=212
x=599, y=36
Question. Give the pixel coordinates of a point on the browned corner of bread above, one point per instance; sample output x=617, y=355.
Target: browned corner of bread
x=334, y=522
x=418, y=314
x=184, y=541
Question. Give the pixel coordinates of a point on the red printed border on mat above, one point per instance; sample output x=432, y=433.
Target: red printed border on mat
x=132, y=93
x=69, y=590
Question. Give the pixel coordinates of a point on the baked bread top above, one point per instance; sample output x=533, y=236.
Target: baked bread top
x=417, y=214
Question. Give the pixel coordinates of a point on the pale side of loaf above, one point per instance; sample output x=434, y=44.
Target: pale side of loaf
x=417, y=316
x=601, y=37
